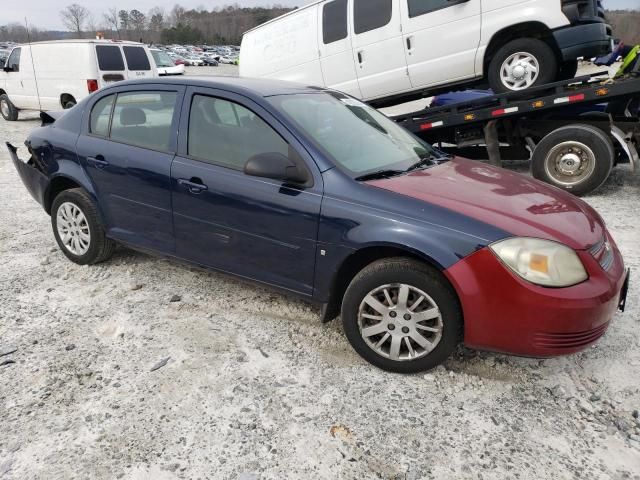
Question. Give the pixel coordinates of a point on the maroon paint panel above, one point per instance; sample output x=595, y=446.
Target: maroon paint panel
x=504, y=313
x=512, y=202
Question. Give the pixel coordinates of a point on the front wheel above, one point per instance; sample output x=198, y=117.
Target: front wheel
x=401, y=315
x=78, y=230
x=521, y=64
x=577, y=158
x=7, y=109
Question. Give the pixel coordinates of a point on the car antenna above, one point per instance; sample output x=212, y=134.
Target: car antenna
x=33, y=65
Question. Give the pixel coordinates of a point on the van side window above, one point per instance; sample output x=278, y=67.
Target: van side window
x=228, y=134
x=109, y=58
x=371, y=14
x=100, y=116
x=421, y=7
x=144, y=119
x=14, y=60
x=334, y=21
x=136, y=58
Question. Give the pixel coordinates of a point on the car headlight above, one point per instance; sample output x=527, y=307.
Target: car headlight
x=542, y=262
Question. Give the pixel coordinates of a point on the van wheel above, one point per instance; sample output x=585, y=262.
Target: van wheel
x=521, y=64
x=577, y=158
x=568, y=70
x=69, y=104
x=78, y=230
x=401, y=315
x=8, y=111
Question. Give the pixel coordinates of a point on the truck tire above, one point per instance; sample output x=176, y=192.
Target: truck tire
x=568, y=70
x=521, y=64
x=8, y=111
x=576, y=158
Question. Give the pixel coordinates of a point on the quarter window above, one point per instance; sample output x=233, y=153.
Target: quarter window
x=14, y=60
x=334, y=21
x=228, y=134
x=371, y=14
x=100, y=115
x=136, y=58
x=109, y=58
x=422, y=7
x=144, y=119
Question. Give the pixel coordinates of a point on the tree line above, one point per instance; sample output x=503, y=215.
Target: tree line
x=626, y=25
x=223, y=25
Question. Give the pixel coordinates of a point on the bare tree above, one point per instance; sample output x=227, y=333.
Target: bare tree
x=112, y=20
x=74, y=17
x=138, y=22
x=125, y=22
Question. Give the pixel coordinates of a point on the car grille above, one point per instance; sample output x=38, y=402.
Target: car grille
x=568, y=340
x=603, y=253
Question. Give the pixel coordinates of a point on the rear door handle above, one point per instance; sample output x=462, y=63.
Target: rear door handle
x=194, y=185
x=98, y=161
x=360, y=59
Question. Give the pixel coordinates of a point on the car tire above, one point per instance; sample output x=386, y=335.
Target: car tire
x=568, y=70
x=78, y=229
x=69, y=104
x=576, y=158
x=400, y=331
x=510, y=68
x=7, y=109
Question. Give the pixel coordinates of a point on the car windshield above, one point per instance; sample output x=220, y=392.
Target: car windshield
x=359, y=139
x=162, y=59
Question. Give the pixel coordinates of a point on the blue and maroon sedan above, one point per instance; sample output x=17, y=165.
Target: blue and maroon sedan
x=318, y=194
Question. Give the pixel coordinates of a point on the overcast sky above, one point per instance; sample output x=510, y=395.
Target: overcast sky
x=45, y=13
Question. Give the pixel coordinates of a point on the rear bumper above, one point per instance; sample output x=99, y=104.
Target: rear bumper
x=34, y=180
x=504, y=313
x=584, y=40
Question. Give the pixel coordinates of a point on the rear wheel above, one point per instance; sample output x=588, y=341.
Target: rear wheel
x=568, y=70
x=78, y=230
x=8, y=111
x=401, y=315
x=577, y=158
x=521, y=64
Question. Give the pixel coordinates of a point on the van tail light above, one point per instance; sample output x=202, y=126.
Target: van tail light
x=92, y=85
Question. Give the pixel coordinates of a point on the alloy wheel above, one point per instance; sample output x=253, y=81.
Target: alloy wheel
x=73, y=229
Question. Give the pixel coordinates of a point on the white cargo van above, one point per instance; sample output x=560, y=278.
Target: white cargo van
x=379, y=50
x=58, y=74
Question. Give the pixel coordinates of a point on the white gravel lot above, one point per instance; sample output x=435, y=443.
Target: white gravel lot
x=257, y=388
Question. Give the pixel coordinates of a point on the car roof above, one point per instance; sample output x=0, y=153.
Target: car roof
x=245, y=86
x=85, y=40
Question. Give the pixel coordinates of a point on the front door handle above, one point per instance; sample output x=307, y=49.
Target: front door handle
x=194, y=185
x=98, y=161
x=360, y=57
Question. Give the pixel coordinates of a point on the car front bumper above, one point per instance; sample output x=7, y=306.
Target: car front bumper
x=584, y=40
x=504, y=313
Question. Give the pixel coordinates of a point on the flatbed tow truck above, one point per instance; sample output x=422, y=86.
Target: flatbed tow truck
x=573, y=131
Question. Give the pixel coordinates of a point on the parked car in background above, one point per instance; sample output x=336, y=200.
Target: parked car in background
x=195, y=61
x=165, y=64
x=58, y=74
x=210, y=61
x=383, y=50
x=317, y=193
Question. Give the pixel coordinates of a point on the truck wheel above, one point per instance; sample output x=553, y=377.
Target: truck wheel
x=8, y=111
x=577, y=158
x=78, y=230
x=401, y=315
x=521, y=64
x=568, y=70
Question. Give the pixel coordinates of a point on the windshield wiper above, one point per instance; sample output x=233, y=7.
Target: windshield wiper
x=430, y=161
x=379, y=174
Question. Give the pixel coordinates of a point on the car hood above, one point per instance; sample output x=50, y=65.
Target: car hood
x=507, y=200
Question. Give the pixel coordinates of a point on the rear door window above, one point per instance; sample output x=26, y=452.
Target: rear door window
x=109, y=58
x=421, y=7
x=100, y=115
x=136, y=58
x=334, y=21
x=371, y=14
x=144, y=119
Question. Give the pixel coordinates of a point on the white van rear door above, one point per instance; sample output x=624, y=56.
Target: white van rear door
x=138, y=62
x=441, y=38
x=334, y=43
x=378, y=48
x=111, y=67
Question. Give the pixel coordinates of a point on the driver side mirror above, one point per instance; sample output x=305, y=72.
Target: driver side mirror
x=276, y=166
x=8, y=69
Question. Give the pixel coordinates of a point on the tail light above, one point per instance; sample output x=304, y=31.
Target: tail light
x=92, y=85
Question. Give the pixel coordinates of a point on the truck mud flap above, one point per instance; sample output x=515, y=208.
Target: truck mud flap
x=35, y=181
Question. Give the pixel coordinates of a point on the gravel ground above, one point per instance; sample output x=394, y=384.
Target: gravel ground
x=251, y=385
